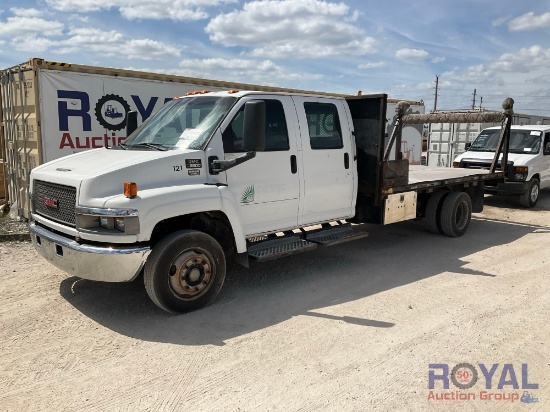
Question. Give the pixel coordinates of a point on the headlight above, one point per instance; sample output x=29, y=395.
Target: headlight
x=520, y=173
x=119, y=224
x=104, y=222
x=112, y=221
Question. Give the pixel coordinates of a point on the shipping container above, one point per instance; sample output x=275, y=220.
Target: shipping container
x=51, y=109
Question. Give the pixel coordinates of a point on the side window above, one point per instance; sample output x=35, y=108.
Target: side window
x=547, y=144
x=276, y=131
x=324, y=126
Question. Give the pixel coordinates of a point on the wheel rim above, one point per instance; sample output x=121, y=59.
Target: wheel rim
x=190, y=274
x=461, y=217
x=534, y=194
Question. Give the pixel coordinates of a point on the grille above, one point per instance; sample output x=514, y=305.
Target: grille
x=56, y=202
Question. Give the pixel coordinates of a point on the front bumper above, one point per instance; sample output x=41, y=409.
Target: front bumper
x=508, y=188
x=103, y=263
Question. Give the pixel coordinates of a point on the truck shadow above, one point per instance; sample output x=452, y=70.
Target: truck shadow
x=270, y=293
x=512, y=202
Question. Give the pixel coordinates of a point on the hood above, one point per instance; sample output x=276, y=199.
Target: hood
x=101, y=173
x=517, y=158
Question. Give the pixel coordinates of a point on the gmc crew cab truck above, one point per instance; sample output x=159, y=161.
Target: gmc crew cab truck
x=223, y=177
x=528, y=161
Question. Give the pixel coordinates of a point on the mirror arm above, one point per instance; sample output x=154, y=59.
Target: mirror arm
x=217, y=166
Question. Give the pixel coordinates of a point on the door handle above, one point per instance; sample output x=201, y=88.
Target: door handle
x=346, y=160
x=293, y=164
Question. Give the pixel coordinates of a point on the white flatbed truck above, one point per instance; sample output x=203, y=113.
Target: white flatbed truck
x=215, y=178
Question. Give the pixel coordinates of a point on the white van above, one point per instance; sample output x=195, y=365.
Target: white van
x=528, y=160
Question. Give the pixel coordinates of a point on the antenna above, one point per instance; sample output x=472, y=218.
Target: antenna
x=436, y=90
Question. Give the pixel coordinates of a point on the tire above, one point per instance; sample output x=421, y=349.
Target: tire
x=456, y=214
x=433, y=211
x=531, y=197
x=185, y=271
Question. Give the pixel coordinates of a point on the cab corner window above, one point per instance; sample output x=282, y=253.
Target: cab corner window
x=547, y=144
x=324, y=126
x=276, y=131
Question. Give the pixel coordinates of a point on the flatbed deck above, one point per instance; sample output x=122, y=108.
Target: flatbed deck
x=428, y=177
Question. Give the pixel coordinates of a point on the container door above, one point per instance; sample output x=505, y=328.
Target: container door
x=266, y=187
x=328, y=160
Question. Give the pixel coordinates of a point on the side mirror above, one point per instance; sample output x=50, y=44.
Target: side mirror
x=131, y=122
x=467, y=146
x=254, y=126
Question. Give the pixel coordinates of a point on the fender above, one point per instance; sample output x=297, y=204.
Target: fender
x=230, y=209
x=158, y=204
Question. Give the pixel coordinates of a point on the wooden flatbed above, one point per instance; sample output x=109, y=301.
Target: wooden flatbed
x=427, y=178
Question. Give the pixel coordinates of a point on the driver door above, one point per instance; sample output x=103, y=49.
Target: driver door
x=267, y=187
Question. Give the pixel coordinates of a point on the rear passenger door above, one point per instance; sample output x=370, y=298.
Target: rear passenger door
x=327, y=159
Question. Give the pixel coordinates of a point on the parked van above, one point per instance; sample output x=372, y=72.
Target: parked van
x=528, y=161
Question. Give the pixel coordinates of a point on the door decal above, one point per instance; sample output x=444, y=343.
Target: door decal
x=248, y=195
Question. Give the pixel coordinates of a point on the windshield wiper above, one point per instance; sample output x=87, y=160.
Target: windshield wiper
x=117, y=147
x=156, y=146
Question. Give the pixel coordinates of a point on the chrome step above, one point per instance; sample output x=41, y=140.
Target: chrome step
x=335, y=235
x=276, y=248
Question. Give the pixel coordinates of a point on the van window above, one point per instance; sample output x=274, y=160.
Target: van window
x=276, y=131
x=324, y=126
x=521, y=141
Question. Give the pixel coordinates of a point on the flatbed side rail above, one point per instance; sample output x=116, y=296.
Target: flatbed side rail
x=430, y=185
x=449, y=117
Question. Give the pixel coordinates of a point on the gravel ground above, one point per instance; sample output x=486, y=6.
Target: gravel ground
x=12, y=229
x=352, y=327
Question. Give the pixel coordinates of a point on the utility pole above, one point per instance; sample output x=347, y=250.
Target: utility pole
x=436, y=90
x=474, y=100
x=480, y=102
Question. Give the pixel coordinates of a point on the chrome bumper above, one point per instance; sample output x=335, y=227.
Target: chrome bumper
x=108, y=264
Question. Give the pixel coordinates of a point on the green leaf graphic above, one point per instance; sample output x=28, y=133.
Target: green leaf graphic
x=248, y=195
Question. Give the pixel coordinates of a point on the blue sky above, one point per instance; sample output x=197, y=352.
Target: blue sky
x=499, y=48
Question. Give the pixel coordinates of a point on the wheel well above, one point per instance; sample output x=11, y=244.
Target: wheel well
x=213, y=223
x=537, y=176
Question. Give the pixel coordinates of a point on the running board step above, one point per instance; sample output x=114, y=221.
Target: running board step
x=276, y=248
x=335, y=235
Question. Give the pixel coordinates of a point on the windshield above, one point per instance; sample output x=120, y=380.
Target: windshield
x=521, y=141
x=181, y=123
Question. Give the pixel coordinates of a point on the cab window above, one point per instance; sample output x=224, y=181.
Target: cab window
x=276, y=131
x=324, y=126
x=546, y=145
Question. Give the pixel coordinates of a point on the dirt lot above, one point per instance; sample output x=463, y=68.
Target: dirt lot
x=347, y=328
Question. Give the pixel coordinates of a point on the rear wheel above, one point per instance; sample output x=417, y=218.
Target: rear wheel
x=456, y=214
x=531, y=197
x=185, y=271
x=433, y=211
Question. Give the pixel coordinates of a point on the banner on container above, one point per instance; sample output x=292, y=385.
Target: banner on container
x=82, y=111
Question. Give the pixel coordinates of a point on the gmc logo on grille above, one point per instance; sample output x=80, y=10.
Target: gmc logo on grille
x=51, y=202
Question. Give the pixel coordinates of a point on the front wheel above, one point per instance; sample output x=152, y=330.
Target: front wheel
x=185, y=271
x=531, y=197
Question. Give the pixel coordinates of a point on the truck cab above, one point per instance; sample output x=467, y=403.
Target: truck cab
x=528, y=168
x=206, y=164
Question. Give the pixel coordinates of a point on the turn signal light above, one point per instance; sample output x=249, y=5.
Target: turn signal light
x=130, y=189
x=456, y=164
x=233, y=91
x=521, y=169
